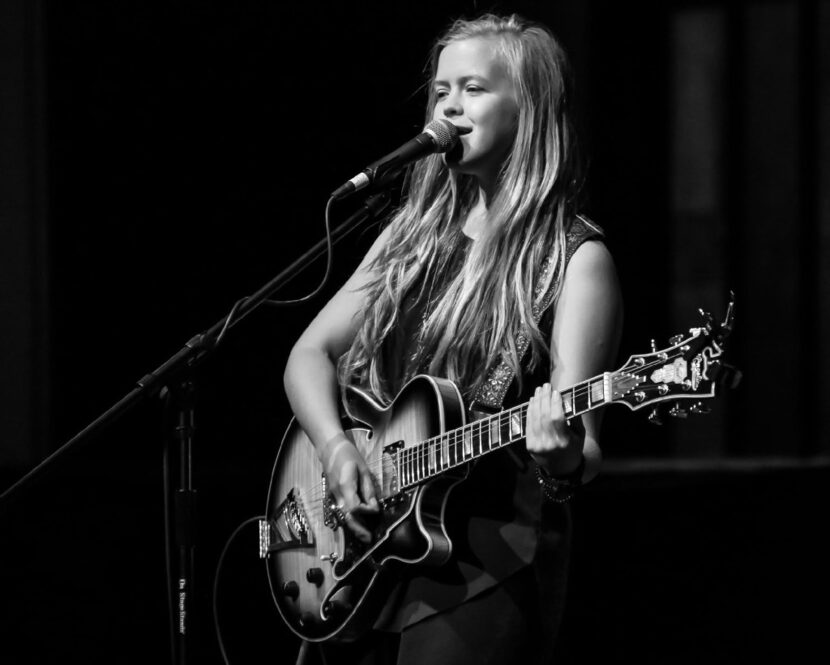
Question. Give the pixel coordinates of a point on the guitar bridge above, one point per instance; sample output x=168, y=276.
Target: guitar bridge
x=288, y=529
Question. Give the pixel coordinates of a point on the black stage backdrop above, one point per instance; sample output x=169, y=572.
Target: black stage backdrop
x=187, y=153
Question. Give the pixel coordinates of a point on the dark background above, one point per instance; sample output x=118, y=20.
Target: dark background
x=162, y=160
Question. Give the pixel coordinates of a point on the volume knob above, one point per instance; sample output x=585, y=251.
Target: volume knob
x=291, y=589
x=315, y=576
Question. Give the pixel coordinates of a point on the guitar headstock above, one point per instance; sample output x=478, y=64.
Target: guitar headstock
x=691, y=368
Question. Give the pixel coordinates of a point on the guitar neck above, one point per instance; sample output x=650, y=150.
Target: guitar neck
x=432, y=457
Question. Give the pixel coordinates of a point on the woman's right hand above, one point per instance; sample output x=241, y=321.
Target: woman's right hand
x=350, y=482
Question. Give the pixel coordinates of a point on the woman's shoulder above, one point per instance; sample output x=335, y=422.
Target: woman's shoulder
x=581, y=229
x=589, y=264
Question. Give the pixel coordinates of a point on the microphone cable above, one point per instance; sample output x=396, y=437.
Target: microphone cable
x=215, y=593
x=294, y=301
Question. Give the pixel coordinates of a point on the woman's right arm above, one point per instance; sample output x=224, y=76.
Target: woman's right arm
x=311, y=387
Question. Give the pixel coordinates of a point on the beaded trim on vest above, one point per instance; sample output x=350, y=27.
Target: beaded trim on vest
x=491, y=392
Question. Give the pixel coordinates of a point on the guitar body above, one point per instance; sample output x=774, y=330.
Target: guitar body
x=327, y=585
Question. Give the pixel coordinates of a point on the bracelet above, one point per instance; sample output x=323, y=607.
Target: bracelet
x=560, y=488
x=337, y=444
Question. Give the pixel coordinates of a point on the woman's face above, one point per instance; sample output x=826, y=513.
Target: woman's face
x=473, y=91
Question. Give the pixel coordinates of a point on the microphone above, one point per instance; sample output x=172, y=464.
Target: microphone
x=438, y=136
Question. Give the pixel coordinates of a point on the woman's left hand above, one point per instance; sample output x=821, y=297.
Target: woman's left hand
x=550, y=440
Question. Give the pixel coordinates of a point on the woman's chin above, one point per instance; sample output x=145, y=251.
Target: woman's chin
x=460, y=162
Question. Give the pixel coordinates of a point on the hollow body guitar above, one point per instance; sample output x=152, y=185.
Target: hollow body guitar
x=327, y=584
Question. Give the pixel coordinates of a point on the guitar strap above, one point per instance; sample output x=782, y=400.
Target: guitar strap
x=490, y=394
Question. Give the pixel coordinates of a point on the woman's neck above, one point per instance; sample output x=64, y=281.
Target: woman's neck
x=476, y=220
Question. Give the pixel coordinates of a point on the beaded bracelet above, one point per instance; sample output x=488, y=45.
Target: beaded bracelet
x=560, y=489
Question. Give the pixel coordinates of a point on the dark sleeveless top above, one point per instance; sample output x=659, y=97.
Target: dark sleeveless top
x=497, y=519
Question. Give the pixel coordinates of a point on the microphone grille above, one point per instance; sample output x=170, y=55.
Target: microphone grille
x=444, y=133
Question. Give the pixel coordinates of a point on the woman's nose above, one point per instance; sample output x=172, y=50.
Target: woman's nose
x=452, y=106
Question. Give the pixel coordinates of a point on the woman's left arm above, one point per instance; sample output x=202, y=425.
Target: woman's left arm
x=587, y=324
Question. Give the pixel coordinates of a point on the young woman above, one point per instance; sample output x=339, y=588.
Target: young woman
x=488, y=276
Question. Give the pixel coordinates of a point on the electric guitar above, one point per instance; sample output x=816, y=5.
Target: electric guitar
x=327, y=584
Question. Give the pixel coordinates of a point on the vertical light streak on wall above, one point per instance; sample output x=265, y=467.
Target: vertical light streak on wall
x=823, y=209
x=698, y=219
x=23, y=243
x=771, y=270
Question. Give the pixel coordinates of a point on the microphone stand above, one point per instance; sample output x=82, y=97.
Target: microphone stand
x=172, y=380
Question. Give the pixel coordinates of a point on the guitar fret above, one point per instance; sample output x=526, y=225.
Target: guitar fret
x=523, y=418
x=413, y=465
x=571, y=405
x=450, y=450
x=484, y=435
x=515, y=425
x=598, y=392
x=495, y=433
x=581, y=402
x=504, y=428
x=416, y=456
x=415, y=461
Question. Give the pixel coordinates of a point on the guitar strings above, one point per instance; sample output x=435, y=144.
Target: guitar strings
x=418, y=456
x=409, y=454
x=317, y=499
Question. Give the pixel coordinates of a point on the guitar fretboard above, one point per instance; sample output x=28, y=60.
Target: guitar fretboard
x=428, y=459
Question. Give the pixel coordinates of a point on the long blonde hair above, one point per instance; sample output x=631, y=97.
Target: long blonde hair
x=478, y=314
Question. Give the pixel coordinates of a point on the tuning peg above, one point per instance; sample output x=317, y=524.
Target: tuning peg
x=677, y=412
x=655, y=417
x=700, y=408
x=730, y=314
x=653, y=346
x=707, y=317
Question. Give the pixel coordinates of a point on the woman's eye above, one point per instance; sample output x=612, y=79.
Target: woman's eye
x=440, y=94
x=474, y=88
